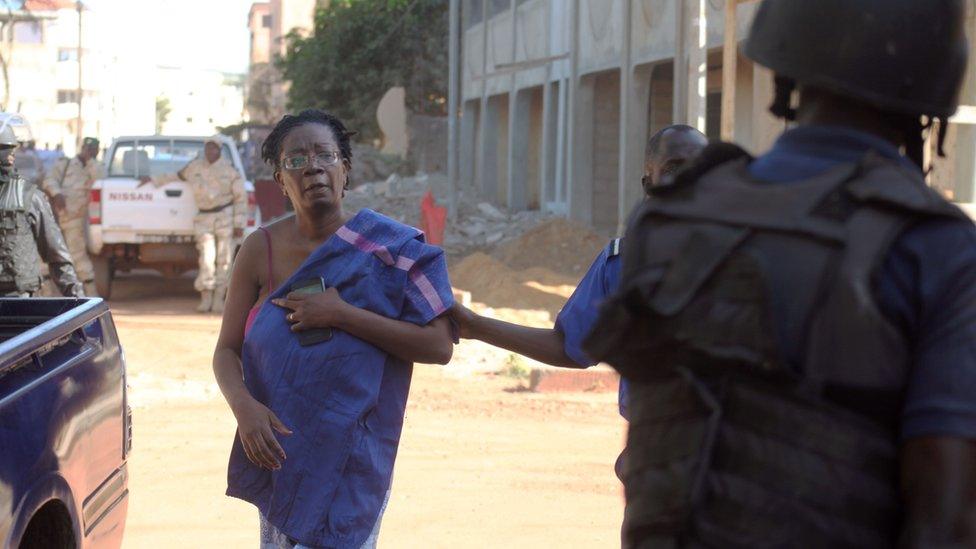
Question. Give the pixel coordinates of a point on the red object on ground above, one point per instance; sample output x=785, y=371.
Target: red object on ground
x=433, y=219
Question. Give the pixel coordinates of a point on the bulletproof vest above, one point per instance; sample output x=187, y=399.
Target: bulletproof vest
x=19, y=259
x=732, y=442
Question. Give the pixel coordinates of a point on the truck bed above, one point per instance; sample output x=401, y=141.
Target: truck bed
x=20, y=315
x=66, y=429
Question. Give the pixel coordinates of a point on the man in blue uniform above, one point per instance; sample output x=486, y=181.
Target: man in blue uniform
x=666, y=151
x=798, y=328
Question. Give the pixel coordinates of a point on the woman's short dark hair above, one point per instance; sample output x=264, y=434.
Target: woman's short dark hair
x=271, y=150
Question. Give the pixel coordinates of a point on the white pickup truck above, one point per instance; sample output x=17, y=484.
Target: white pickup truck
x=146, y=227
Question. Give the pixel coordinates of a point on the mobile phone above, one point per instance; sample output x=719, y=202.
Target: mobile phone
x=318, y=335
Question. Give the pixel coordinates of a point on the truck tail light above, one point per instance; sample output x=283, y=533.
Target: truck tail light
x=95, y=207
x=252, y=209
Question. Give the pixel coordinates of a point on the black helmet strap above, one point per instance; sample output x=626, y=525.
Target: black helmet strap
x=915, y=134
x=782, y=106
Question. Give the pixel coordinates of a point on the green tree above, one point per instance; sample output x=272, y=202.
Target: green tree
x=359, y=49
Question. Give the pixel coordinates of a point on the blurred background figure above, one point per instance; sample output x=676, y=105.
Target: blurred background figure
x=69, y=184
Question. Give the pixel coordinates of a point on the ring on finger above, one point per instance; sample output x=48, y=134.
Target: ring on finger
x=291, y=317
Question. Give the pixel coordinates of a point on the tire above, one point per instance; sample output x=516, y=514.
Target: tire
x=104, y=273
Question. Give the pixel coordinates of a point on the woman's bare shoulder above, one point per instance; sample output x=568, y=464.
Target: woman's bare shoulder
x=281, y=224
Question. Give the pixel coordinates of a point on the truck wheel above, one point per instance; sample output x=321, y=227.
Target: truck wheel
x=104, y=273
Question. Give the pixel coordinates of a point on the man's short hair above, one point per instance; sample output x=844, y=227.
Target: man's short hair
x=654, y=143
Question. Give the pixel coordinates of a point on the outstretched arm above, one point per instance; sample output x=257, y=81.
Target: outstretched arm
x=543, y=344
x=430, y=344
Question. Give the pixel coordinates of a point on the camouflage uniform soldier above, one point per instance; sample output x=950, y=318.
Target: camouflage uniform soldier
x=28, y=233
x=218, y=190
x=69, y=184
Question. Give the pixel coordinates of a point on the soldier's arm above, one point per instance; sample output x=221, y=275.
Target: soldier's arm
x=938, y=479
x=52, y=248
x=164, y=178
x=543, y=344
x=240, y=201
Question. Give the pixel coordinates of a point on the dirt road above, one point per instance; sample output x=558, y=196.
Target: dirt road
x=481, y=463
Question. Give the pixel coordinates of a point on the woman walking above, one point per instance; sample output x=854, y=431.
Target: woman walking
x=325, y=314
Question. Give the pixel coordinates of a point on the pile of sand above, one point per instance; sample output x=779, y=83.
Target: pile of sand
x=559, y=245
x=528, y=280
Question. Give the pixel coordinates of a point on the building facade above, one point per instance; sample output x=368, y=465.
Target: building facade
x=270, y=23
x=558, y=98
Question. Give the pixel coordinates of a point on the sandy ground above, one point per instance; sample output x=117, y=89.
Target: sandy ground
x=482, y=463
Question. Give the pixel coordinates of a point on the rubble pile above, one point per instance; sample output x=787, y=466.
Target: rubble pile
x=479, y=226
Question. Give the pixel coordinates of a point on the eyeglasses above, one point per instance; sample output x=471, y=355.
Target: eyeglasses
x=301, y=161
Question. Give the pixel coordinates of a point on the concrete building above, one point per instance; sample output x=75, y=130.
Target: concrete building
x=270, y=23
x=558, y=98
x=42, y=67
x=200, y=101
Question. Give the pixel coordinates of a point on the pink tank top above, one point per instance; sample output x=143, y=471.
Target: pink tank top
x=253, y=313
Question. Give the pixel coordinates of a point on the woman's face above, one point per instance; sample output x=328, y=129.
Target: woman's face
x=311, y=170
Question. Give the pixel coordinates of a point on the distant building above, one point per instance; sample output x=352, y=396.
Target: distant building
x=559, y=97
x=42, y=67
x=269, y=24
x=199, y=101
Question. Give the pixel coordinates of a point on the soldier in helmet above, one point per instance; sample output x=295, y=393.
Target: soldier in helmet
x=798, y=328
x=28, y=233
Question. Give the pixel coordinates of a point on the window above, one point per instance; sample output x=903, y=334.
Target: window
x=266, y=21
x=134, y=159
x=71, y=96
x=28, y=32
x=67, y=54
x=67, y=96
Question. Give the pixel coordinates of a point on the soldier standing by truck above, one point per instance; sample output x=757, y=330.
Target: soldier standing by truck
x=221, y=200
x=28, y=233
x=69, y=185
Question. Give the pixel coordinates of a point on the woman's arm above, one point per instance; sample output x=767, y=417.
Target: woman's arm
x=430, y=344
x=542, y=344
x=255, y=422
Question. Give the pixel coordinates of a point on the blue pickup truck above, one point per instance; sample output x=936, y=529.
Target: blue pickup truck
x=65, y=426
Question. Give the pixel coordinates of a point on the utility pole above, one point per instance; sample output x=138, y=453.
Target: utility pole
x=78, y=123
x=453, y=93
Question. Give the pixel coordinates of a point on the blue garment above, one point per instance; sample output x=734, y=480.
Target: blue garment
x=926, y=287
x=344, y=398
x=577, y=316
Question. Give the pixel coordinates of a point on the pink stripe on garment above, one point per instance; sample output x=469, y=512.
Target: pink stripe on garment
x=404, y=263
x=366, y=245
x=430, y=294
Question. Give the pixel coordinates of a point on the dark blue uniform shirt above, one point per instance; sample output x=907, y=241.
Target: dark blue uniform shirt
x=926, y=287
x=576, y=318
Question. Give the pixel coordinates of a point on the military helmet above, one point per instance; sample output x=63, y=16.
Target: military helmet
x=14, y=130
x=8, y=138
x=905, y=56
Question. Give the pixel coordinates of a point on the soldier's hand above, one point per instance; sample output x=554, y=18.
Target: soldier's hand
x=144, y=179
x=59, y=203
x=238, y=232
x=464, y=319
